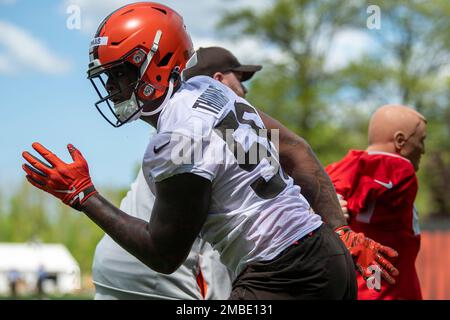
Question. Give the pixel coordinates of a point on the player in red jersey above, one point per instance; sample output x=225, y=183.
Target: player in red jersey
x=380, y=186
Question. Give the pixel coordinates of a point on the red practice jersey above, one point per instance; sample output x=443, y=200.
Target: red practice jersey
x=380, y=189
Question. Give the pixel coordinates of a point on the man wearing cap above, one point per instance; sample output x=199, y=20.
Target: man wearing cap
x=221, y=65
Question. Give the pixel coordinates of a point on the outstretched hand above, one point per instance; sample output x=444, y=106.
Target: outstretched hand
x=69, y=182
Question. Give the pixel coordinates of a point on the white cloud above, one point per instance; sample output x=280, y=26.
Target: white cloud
x=22, y=51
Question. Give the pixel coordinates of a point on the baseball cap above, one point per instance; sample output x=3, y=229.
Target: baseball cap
x=217, y=59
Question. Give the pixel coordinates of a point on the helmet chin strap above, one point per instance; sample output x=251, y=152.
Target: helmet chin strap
x=164, y=103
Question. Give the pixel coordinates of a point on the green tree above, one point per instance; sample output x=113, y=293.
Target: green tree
x=330, y=107
x=25, y=217
x=299, y=90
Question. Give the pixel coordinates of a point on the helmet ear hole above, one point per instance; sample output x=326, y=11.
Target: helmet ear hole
x=165, y=60
x=158, y=78
x=133, y=68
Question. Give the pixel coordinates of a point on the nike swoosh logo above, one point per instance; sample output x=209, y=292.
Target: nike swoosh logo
x=158, y=149
x=384, y=184
x=67, y=191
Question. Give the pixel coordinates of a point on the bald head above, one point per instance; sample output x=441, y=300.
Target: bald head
x=395, y=128
x=389, y=119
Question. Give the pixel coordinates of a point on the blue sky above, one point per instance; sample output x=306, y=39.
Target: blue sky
x=56, y=107
x=46, y=97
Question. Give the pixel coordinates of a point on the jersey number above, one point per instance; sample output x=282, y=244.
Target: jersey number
x=264, y=189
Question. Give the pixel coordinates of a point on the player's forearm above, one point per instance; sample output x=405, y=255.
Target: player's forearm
x=300, y=162
x=129, y=232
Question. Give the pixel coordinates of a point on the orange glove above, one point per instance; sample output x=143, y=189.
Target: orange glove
x=70, y=183
x=366, y=253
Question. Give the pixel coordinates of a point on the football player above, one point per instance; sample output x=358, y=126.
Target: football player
x=380, y=186
x=213, y=169
x=118, y=274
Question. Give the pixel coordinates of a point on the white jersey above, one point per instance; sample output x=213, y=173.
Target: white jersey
x=116, y=269
x=256, y=211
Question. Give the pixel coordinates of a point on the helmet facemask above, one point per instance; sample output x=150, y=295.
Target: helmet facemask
x=120, y=102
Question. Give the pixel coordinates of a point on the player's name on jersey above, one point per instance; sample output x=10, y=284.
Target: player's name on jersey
x=212, y=101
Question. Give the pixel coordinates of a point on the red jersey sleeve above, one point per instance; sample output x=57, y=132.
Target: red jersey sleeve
x=342, y=173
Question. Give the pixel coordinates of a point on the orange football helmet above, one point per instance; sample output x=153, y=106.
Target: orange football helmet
x=148, y=37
